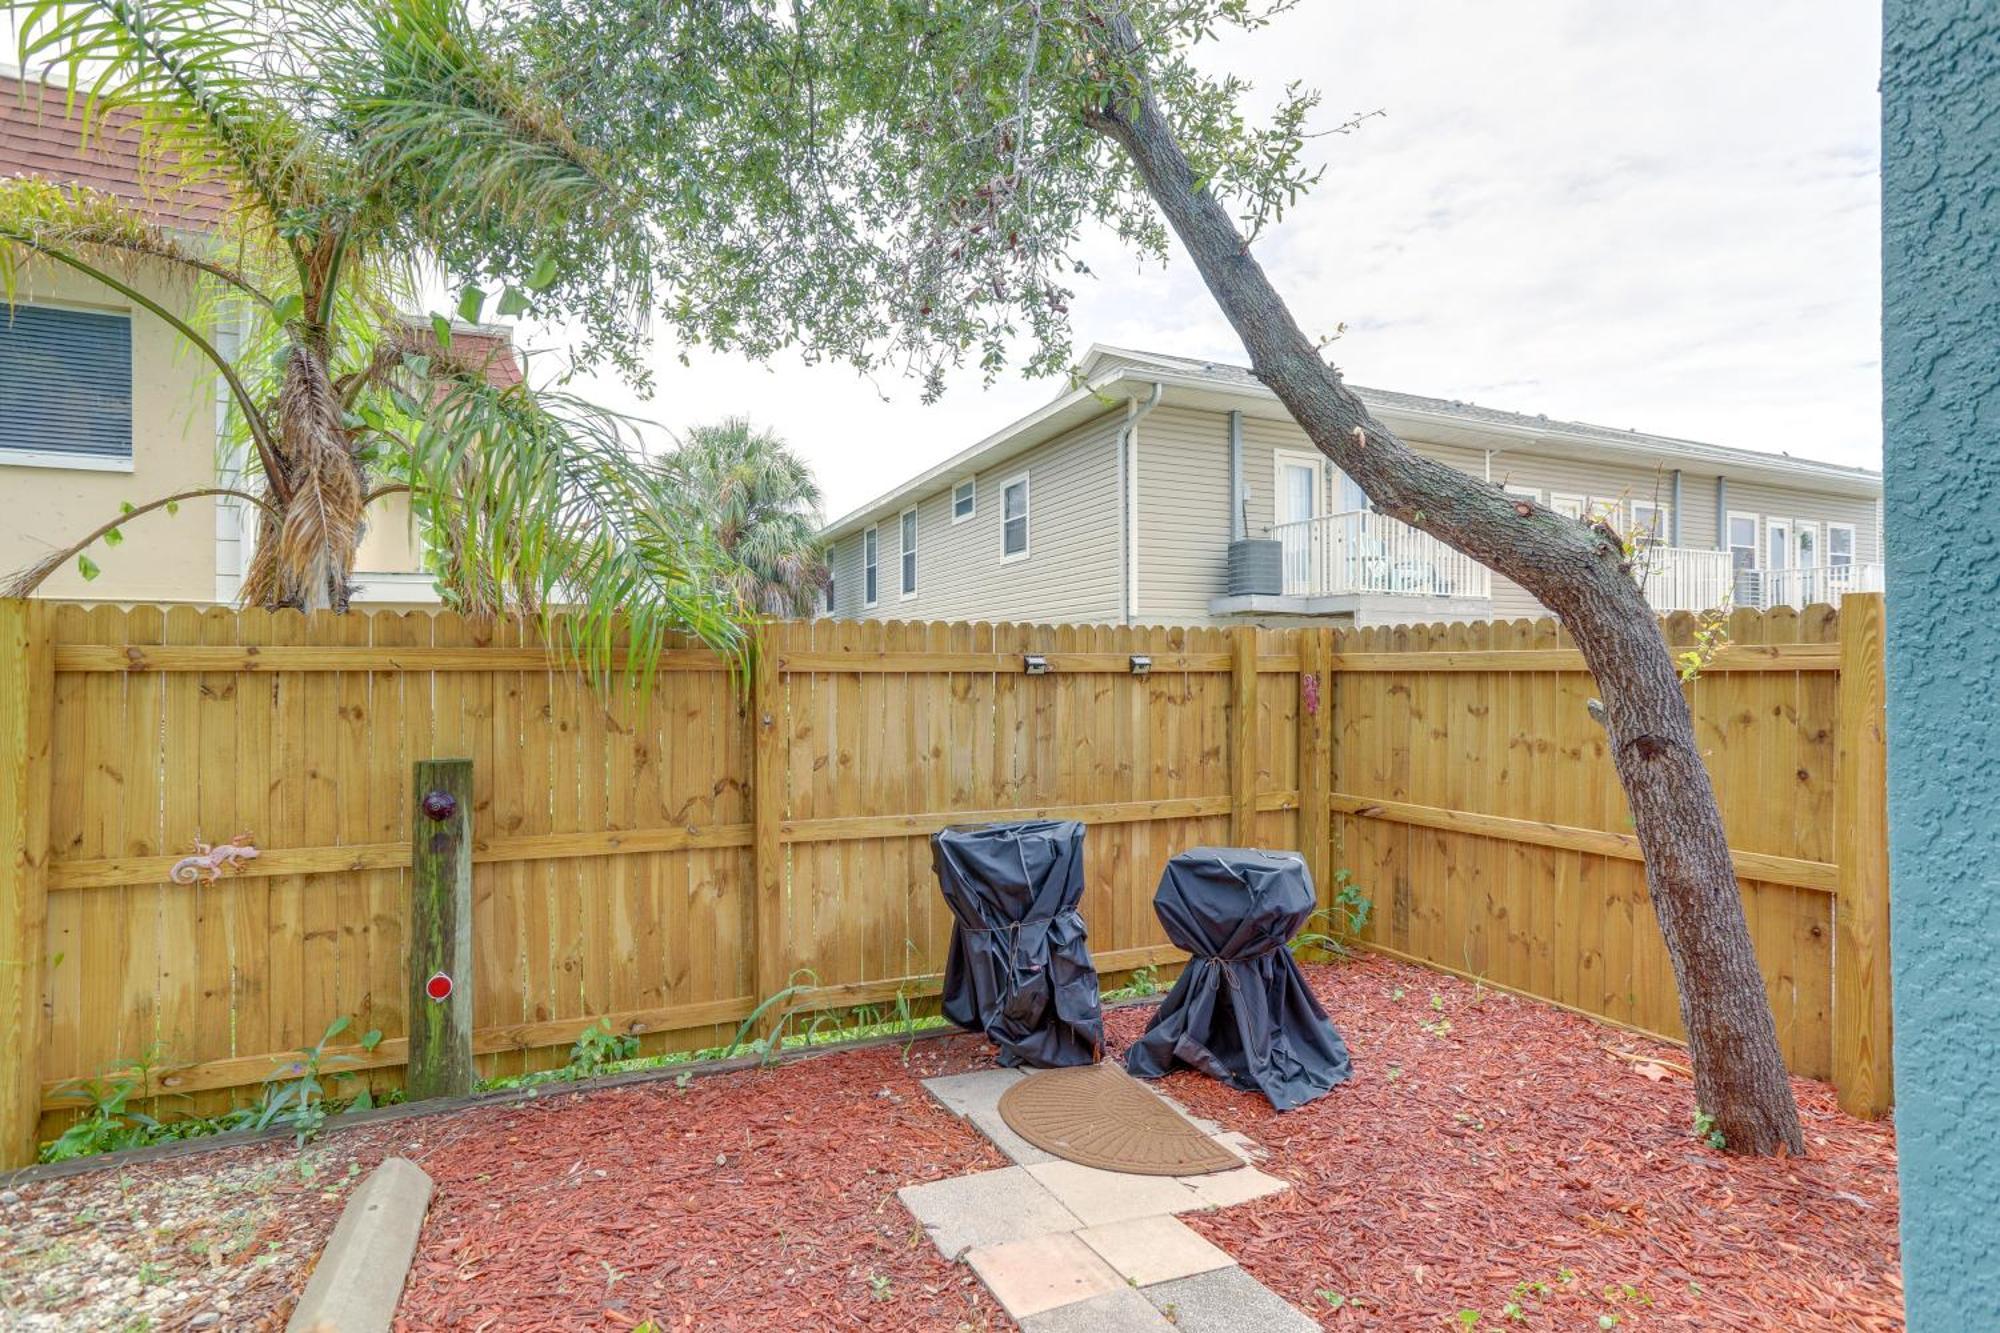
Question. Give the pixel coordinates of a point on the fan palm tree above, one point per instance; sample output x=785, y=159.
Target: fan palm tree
x=353, y=138
x=760, y=506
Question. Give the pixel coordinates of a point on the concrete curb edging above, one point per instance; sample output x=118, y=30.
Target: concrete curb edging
x=359, y=1277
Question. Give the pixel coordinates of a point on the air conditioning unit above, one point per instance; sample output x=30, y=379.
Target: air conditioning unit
x=1256, y=568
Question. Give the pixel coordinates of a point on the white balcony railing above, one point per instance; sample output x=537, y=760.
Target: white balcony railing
x=1766, y=588
x=1683, y=578
x=1366, y=552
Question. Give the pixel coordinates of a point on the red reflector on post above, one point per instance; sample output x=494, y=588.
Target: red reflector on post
x=438, y=987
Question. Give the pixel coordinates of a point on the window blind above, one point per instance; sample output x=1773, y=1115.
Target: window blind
x=65, y=382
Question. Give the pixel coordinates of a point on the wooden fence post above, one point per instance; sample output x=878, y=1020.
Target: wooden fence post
x=1243, y=736
x=440, y=1063
x=1315, y=746
x=27, y=698
x=1861, y=1016
x=770, y=744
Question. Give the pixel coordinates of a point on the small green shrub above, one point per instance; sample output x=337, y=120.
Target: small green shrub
x=1326, y=932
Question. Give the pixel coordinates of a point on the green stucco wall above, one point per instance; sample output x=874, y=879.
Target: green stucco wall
x=1941, y=454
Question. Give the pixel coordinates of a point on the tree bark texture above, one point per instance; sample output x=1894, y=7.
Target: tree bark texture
x=1579, y=570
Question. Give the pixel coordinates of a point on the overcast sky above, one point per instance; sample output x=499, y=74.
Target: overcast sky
x=1661, y=217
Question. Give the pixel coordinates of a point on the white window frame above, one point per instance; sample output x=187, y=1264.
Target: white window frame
x=1756, y=545
x=1027, y=512
x=1283, y=458
x=871, y=566
x=957, y=517
x=1662, y=531
x=1532, y=494
x=1569, y=506
x=1772, y=524
x=1801, y=528
x=61, y=462
x=1853, y=544
x=906, y=554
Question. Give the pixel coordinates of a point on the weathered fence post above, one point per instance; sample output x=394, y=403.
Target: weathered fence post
x=440, y=1063
x=769, y=742
x=1243, y=736
x=1316, y=757
x=27, y=698
x=1861, y=1017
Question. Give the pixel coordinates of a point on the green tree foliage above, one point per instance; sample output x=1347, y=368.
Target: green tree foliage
x=904, y=185
x=341, y=189
x=758, y=503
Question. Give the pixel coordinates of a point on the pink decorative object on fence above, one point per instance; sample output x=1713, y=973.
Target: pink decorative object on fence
x=208, y=862
x=1309, y=691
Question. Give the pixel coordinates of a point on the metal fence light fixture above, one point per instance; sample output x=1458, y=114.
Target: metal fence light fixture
x=1142, y=665
x=1035, y=664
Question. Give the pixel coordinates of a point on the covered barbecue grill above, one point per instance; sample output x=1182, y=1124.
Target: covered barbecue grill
x=1020, y=969
x=1241, y=1011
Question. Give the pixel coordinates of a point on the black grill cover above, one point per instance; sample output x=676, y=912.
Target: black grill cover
x=1020, y=969
x=1241, y=1012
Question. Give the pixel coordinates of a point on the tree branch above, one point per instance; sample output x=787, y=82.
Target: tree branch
x=1573, y=569
x=24, y=583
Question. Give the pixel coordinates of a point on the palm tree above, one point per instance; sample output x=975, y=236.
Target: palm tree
x=356, y=140
x=760, y=506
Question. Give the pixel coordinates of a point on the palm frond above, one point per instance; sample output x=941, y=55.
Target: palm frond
x=759, y=503
x=42, y=215
x=544, y=501
x=192, y=77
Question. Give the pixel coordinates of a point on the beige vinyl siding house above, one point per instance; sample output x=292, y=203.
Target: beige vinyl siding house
x=161, y=396
x=1162, y=463
x=1069, y=570
x=52, y=496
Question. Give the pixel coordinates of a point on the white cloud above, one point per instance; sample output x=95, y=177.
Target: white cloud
x=1661, y=217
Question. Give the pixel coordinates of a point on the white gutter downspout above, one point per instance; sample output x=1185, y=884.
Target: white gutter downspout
x=1674, y=531
x=1236, y=532
x=1128, y=459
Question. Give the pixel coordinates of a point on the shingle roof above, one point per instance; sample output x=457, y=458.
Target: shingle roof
x=1225, y=375
x=42, y=136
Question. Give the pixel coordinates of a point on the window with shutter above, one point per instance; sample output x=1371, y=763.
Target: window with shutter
x=65, y=385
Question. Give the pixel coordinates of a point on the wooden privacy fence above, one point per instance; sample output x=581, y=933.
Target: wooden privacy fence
x=1475, y=797
x=664, y=862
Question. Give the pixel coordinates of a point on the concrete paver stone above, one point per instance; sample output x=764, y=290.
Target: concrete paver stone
x=1123, y=1311
x=976, y=1097
x=1147, y=1250
x=1227, y=1300
x=986, y=1208
x=1042, y=1272
x=1113, y=1196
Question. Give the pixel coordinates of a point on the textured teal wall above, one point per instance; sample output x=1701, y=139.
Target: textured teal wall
x=1941, y=455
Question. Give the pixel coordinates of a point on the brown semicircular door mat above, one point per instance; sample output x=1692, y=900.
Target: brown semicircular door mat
x=1099, y=1115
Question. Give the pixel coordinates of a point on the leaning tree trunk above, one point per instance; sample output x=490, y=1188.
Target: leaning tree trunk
x=1578, y=570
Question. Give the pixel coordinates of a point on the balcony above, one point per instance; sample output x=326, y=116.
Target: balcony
x=1366, y=554
x=1763, y=589
x=1336, y=563
x=1683, y=578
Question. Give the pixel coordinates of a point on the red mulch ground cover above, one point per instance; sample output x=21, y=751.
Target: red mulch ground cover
x=754, y=1201
x=1489, y=1151
x=1466, y=1163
